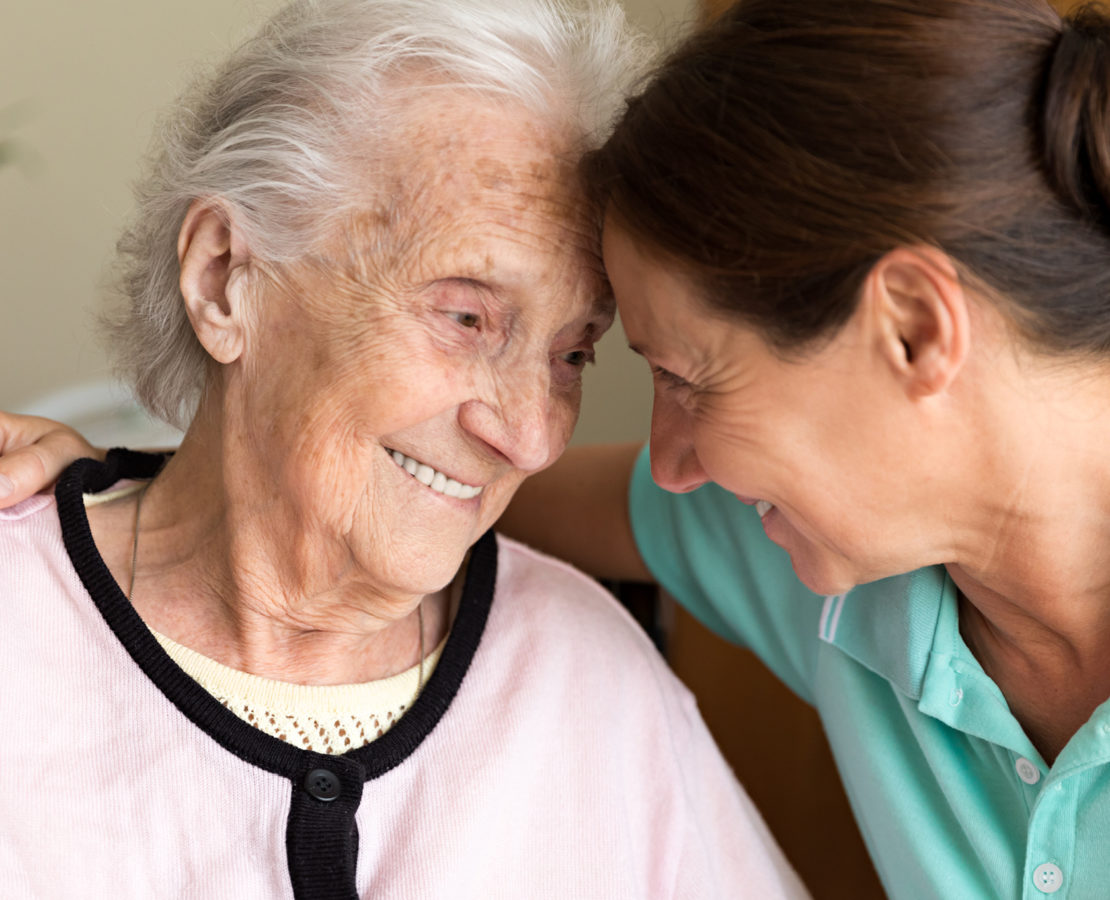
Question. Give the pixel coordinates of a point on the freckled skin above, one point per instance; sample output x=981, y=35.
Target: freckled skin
x=488, y=222
x=449, y=320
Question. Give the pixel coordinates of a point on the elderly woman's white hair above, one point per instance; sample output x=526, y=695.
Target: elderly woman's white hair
x=284, y=132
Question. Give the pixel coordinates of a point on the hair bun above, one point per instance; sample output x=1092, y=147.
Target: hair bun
x=1077, y=113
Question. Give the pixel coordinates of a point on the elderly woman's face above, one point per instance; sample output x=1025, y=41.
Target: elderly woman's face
x=414, y=372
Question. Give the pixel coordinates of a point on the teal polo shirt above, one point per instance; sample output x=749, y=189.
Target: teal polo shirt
x=952, y=798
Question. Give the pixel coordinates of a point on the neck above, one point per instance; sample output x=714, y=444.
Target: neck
x=1053, y=673
x=1030, y=518
x=1031, y=547
x=228, y=565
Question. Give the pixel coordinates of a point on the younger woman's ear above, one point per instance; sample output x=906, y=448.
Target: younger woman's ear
x=919, y=306
x=213, y=262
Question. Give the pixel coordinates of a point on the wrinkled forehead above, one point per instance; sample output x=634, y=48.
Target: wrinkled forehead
x=488, y=182
x=446, y=131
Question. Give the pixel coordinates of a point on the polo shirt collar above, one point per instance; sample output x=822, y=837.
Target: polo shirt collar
x=906, y=630
x=889, y=626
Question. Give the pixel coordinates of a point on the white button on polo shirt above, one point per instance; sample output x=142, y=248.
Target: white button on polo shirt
x=1027, y=770
x=1048, y=878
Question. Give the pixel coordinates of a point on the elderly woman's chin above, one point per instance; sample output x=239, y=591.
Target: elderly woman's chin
x=398, y=542
x=414, y=566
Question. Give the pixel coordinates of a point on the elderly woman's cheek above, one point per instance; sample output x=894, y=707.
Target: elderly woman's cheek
x=566, y=405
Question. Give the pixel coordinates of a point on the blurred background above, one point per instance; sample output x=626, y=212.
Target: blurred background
x=81, y=85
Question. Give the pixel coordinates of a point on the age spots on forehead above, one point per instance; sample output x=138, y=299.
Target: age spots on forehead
x=486, y=142
x=536, y=184
x=493, y=174
x=535, y=167
x=460, y=170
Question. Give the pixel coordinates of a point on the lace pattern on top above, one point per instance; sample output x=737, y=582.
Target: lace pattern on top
x=321, y=718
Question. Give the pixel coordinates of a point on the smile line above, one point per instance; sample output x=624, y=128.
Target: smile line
x=433, y=478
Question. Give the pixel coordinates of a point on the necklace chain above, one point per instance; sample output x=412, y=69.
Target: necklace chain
x=135, y=540
x=131, y=589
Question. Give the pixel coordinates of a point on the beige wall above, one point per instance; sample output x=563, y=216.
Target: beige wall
x=80, y=85
x=616, y=404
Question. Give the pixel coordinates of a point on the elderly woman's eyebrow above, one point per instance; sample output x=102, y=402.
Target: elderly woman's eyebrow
x=597, y=318
x=593, y=323
x=604, y=310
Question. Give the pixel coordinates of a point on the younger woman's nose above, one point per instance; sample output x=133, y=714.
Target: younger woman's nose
x=674, y=460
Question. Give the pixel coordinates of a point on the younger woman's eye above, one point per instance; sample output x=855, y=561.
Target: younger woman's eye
x=466, y=319
x=669, y=378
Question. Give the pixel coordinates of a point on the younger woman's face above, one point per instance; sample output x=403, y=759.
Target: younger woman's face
x=808, y=442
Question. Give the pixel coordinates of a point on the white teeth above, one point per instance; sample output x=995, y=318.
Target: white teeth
x=763, y=507
x=429, y=477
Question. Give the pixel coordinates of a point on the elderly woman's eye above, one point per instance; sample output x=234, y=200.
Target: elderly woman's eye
x=466, y=319
x=578, y=358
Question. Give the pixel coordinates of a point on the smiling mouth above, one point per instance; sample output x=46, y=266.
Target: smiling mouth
x=763, y=507
x=431, y=478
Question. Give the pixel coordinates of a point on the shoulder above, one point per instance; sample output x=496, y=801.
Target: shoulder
x=557, y=588
x=575, y=680
x=574, y=618
x=558, y=631
x=35, y=505
x=27, y=524
x=521, y=566
x=32, y=551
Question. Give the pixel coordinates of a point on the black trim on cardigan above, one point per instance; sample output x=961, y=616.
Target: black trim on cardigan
x=321, y=836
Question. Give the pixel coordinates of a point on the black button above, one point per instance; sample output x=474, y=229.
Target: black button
x=322, y=784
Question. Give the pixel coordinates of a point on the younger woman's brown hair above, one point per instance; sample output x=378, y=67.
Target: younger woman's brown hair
x=778, y=154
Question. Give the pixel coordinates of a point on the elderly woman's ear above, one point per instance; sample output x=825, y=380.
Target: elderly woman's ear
x=213, y=260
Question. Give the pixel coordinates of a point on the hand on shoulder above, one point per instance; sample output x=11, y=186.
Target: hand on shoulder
x=34, y=452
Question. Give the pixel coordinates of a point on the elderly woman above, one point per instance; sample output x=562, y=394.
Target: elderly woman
x=291, y=660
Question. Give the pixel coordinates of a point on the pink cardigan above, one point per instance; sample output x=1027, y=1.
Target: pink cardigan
x=551, y=755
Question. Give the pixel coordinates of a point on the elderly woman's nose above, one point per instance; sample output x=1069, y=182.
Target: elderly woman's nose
x=515, y=419
x=674, y=459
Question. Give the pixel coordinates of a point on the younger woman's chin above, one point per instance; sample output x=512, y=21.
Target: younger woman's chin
x=825, y=580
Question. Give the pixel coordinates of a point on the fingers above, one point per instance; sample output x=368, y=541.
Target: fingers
x=33, y=453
